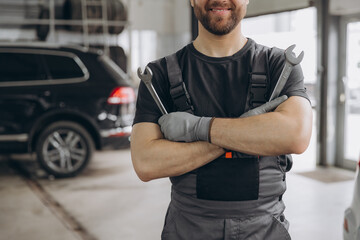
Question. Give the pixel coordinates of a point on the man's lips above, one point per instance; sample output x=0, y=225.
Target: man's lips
x=220, y=10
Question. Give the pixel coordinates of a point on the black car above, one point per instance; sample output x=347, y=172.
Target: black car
x=62, y=102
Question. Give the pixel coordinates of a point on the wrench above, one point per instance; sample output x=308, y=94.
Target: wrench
x=290, y=62
x=146, y=77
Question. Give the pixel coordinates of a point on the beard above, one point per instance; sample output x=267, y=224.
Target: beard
x=219, y=25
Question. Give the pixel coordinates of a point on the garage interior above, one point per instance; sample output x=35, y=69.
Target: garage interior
x=107, y=200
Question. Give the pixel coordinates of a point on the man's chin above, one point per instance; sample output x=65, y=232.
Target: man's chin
x=219, y=30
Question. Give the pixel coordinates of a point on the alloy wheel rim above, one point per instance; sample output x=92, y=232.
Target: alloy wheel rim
x=64, y=151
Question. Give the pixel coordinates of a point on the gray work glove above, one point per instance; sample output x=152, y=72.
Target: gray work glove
x=267, y=107
x=184, y=127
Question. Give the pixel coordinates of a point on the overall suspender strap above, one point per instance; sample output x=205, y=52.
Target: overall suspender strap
x=178, y=90
x=259, y=82
x=259, y=86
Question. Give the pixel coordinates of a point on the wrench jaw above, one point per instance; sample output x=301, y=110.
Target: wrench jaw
x=290, y=55
x=146, y=76
x=290, y=62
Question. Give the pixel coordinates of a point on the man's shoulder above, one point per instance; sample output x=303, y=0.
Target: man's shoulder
x=159, y=66
x=271, y=51
x=274, y=55
x=161, y=62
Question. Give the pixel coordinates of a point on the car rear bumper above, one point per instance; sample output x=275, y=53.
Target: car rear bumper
x=116, y=138
x=116, y=132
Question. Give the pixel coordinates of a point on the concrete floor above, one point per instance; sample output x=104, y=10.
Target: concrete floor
x=108, y=202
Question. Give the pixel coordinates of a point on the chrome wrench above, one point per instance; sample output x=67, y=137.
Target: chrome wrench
x=146, y=77
x=290, y=62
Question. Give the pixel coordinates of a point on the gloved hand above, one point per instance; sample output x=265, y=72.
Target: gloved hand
x=184, y=127
x=267, y=107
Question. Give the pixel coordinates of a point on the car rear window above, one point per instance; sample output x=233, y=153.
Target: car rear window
x=20, y=67
x=62, y=67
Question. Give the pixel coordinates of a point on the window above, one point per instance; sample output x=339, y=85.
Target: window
x=352, y=103
x=62, y=67
x=20, y=67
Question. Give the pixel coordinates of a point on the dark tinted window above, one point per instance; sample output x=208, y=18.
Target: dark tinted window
x=61, y=67
x=20, y=67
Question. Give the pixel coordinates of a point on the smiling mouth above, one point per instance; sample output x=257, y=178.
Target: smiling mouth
x=220, y=9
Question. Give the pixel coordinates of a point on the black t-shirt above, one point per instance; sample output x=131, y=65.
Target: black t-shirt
x=217, y=86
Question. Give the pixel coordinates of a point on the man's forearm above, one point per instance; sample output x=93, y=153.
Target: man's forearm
x=157, y=157
x=287, y=130
x=255, y=135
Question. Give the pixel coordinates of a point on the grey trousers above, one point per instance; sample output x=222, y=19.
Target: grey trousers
x=194, y=219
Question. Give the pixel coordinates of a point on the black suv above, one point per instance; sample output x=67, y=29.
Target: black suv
x=62, y=102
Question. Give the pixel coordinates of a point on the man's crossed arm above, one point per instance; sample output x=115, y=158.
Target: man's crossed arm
x=259, y=132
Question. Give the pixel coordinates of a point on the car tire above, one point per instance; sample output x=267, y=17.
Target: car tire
x=64, y=149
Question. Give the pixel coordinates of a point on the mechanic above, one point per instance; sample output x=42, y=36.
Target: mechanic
x=227, y=169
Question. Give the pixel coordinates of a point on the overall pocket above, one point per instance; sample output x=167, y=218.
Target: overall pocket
x=229, y=179
x=279, y=229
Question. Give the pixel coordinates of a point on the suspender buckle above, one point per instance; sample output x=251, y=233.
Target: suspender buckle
x=258, y=90
x=181, y=97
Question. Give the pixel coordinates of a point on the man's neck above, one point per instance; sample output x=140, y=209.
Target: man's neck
x=219, y=46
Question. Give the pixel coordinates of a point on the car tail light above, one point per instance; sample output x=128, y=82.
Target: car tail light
x=121, y=95
x=346, y=226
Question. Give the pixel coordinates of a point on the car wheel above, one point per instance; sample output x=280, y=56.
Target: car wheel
x=64, y=149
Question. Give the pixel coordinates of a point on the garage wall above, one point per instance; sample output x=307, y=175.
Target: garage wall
x=259, y=7
x=344, y=7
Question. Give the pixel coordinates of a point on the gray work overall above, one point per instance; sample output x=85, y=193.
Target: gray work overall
x=236, y=196
x=189, y=217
